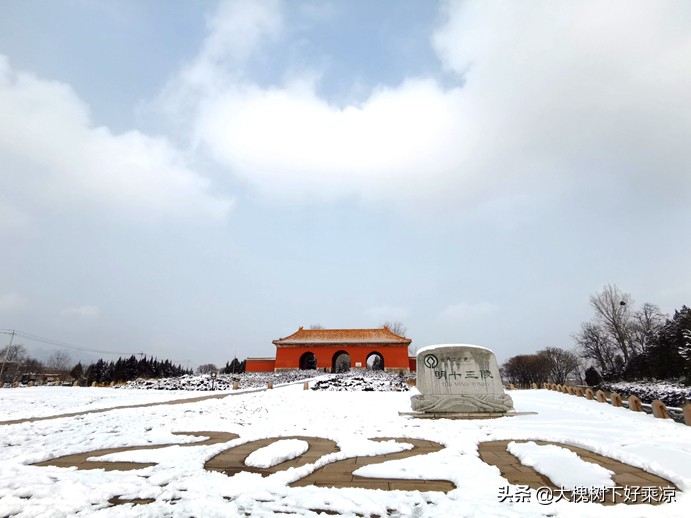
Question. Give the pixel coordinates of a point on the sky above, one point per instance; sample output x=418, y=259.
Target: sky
x=193, y=180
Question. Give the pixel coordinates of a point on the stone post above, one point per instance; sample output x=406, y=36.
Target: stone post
x=635, y=404
x=660, y=410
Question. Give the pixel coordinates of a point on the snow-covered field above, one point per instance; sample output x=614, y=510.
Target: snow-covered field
x=178, y=485
x=22, y=403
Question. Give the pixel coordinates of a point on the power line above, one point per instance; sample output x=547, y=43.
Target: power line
x=51, y=341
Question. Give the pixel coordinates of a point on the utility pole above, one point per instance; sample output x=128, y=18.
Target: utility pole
x=7, y=353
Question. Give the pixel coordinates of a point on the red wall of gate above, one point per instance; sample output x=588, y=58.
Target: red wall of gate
x=395, y=357
x=260, y=365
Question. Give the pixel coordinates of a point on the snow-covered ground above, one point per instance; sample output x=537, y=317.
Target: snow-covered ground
x=21, y=403
x=179, y=485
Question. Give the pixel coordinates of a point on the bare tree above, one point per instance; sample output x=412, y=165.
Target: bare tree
x=613, y=312
x=32, y=365
x=525, y=369
x=396, y=327
x=647, y=322
x=13, y=353
x=594, y=343
x=59, y=361
x=207, y=368
x=560, y=363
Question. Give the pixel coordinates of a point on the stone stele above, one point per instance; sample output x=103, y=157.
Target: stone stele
x=459, y=379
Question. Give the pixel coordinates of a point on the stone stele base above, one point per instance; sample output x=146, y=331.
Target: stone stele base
x=464, y=415
x=472, y=404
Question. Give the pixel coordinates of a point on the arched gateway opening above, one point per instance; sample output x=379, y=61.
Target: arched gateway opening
x=308, y=361
x=340, y=362
x=375, y=362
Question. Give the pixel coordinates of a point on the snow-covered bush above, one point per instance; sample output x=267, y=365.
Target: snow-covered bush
x=365, y=380
x=671, y=394
x=222, y=381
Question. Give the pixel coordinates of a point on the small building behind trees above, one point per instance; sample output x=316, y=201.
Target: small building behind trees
x=338, y=350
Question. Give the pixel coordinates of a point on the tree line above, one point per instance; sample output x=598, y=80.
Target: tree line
x=549, y=365
x=232, y=367
x=128, y=369
x=627, y=343
x=620, y=342
x=16, y=365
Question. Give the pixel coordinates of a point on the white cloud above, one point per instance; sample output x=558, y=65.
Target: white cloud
x=86, y=311
x=236, y=30
x=289, y=142
x=11, y=301
x=54, y=157
x=588, y=90
x=466, y=311
x=558, y=93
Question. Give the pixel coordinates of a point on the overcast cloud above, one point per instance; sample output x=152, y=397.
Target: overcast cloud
x=577, y=91
x=193, y=181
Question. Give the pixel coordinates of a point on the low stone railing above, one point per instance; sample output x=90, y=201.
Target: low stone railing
x=657, y=407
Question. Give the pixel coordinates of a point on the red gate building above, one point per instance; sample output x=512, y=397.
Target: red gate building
x=328, y=349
